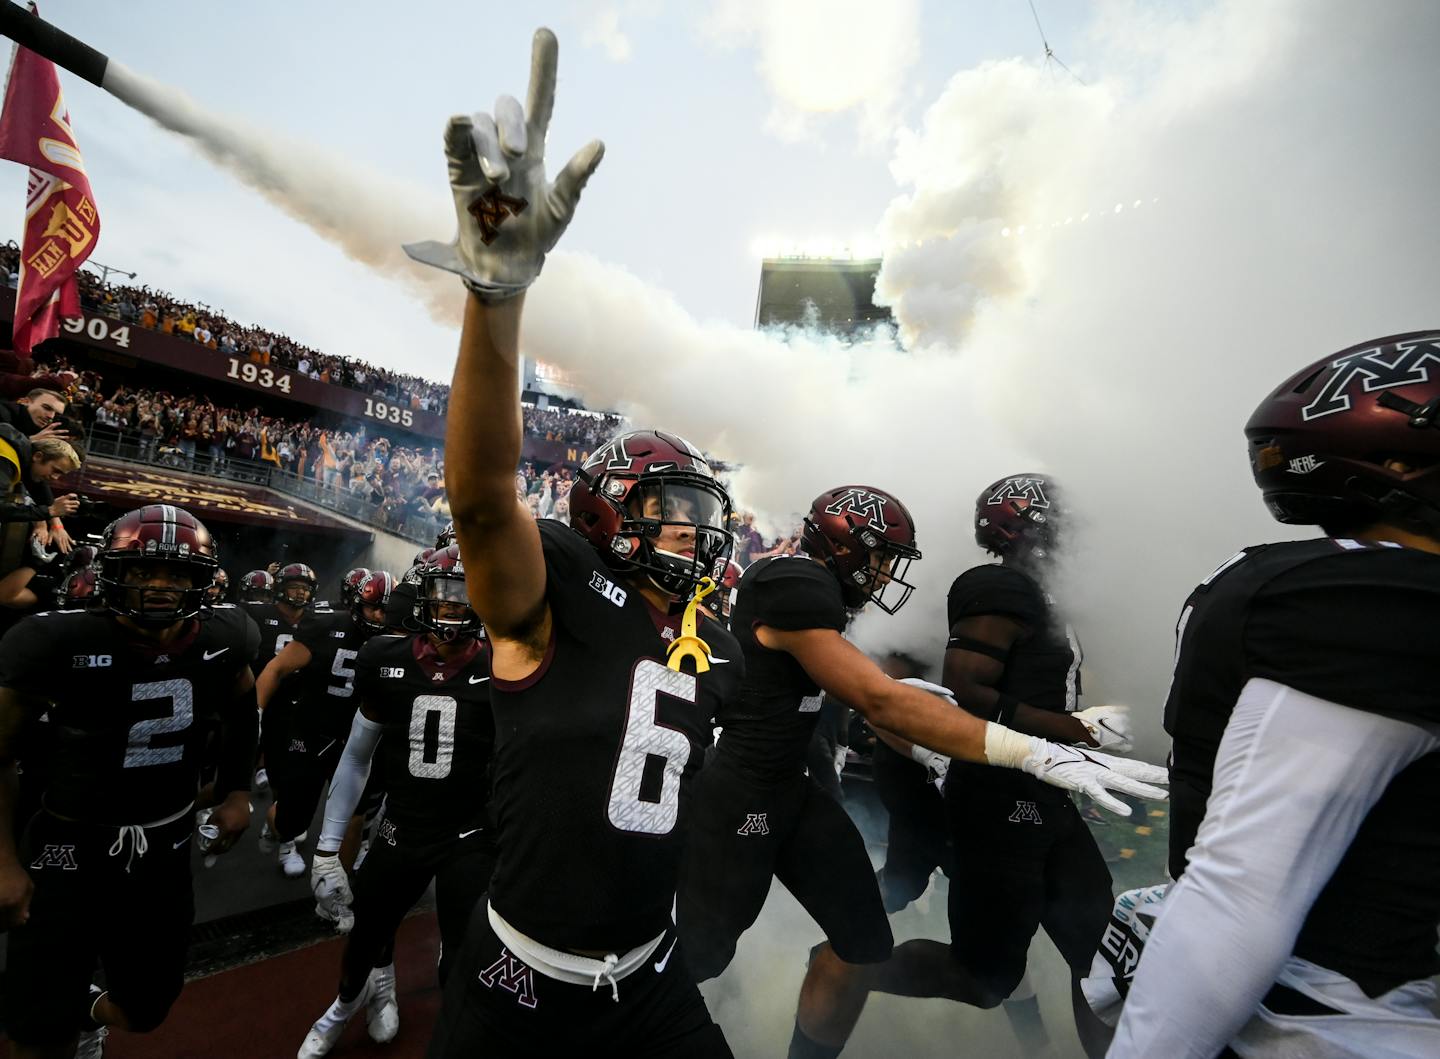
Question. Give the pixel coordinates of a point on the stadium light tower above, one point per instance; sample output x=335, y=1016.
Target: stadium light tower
x=105, y=271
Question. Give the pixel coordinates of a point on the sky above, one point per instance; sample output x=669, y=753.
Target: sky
x=1095, y=275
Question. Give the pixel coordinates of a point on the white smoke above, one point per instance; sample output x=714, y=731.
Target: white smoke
x=1098, y=281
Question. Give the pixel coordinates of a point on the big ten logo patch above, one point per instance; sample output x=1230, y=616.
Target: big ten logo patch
x=607, y=588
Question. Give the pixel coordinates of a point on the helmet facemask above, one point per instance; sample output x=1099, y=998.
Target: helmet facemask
x=150, y=605
x=443, y=608
x=672, y=528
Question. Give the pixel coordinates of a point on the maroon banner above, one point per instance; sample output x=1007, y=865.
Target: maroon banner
x=128, y=485
x=61, y=221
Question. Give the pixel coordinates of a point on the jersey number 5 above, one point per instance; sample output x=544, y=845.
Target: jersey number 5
x=646, y=738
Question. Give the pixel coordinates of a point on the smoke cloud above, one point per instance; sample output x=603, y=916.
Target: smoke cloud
x=1097, y=281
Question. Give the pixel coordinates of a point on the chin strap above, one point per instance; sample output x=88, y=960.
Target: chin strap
x=689, y=644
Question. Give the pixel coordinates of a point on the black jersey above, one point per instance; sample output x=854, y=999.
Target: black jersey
x=594, y=754
x=438, y=733
x=129, y=718
x=276, y=632
x=327, y=683
x=1042, y=669
x=1352, y=623
x=768, y=727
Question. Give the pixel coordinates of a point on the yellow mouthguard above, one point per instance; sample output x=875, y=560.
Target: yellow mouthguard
x=689, y=645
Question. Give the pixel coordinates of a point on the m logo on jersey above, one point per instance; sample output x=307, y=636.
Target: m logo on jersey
x=863, y=504
x=387, y=831
x=607, y=588
x=755, y=824
x=1025, y=813
x=509, y=973
x=1031, y=490
x=1379, y=368
x=53, y=856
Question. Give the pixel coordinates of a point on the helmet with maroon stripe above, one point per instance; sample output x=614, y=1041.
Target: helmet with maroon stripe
x=219, y=588
x=867, y=539
x=1354, y=439
x=138, y=546
x=291, y=580
x=446, y=536
x=442, y=607
x=373, y=591
x=81, y=556
x=1019, y=517
x=350, y=582
x=258, y=586
x=645, y=488
x=78, y=588
x=726, y=586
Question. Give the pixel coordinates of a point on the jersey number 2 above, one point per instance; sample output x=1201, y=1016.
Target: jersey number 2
x=645, y=737
x=138, y=751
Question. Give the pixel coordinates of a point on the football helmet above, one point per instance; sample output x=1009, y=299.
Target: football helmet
x=446, y=537
x=422, y=556
x=373, y=591
x=630, y=490
x=350, y=582
x=78, y=588
x=156, y=533
x=296, y=585
x=728, y=582
x=442, y=607
x=1354, y=438
x=219, y=588
x=867, y=539
x=1019, y=517
x=81, y=556
x=257, y=587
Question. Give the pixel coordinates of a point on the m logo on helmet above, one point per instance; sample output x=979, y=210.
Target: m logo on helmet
x=863, y=504
x=1031, y=490
x=1378, y=368
x=613, y=457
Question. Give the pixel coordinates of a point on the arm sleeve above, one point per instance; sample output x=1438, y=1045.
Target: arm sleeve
x=1295, y=777
x=349, y=782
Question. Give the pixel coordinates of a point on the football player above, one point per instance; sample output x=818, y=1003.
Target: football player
x=596, y=735
x=349, y=583
x=1011, y=658
x=759, y=815
x=427, y=694
x=219, y=588
x=1306, y=726
x=103, y=870
x=257, y=588
x=322, y=653
x=278, y=608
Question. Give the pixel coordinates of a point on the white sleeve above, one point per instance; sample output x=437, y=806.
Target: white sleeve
x=348, y=784
x=1295, y=777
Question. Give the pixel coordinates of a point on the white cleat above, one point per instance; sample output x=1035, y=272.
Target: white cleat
x=261, y=783
x=268, y=840
x=292, y=863
x=92, y=1044
x=329, y=1026
x=382, y=1014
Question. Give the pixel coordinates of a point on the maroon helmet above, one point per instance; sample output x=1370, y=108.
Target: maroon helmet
x=446, y=537
x=373, y=591
x=156, y=533
x=1321, y=442
x=726, y=585
x=219, y=588
x=81, y=556
x=1018, y=517
x=422, y=556
x=289, y=582
x=350, y=582
x=78, y=588
x=632, y=488
x=442, y=581
x=258, y=586
x=867, y=539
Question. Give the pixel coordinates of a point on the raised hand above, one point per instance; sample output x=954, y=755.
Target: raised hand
x=509, y=216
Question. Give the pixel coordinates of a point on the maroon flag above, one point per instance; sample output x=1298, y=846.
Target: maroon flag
x=62, y=224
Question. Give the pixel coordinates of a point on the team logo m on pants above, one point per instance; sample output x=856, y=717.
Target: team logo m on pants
x=1025, y=813
x=57, y=857
x=755, y=824
x=510, y=973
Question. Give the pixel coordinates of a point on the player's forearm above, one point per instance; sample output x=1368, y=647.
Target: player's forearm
x=484, y=421
x=919, y=717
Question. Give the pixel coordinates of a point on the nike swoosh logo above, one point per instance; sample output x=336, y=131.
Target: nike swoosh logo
x=478, y=680
x=472, y=831
x=718, y=661
x=660, y=967
x=215, y=654
x=182, y=842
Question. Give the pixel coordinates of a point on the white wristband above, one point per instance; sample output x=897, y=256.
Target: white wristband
x=1006, y=748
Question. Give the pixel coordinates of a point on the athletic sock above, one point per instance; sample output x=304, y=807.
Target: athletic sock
x=802, y=1047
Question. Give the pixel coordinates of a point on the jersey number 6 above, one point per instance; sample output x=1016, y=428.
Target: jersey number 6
x=645, y=737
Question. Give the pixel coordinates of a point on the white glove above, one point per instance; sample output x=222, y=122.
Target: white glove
x=1075, y=769
x=509, y=217
x=934, y=689
x=331, y=887
x=1109, y=726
